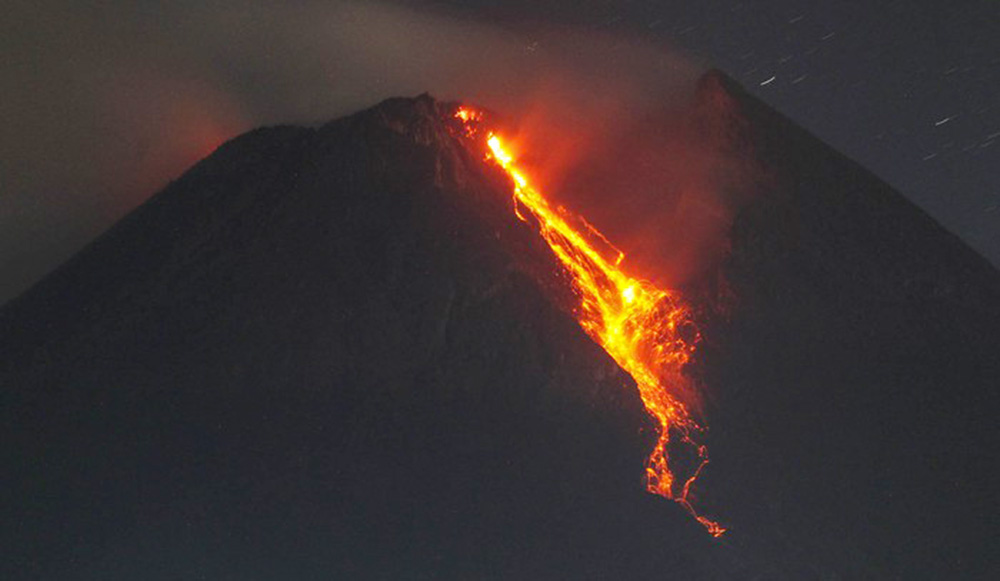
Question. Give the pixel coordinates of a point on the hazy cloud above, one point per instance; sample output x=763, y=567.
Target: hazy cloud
x=105, y=102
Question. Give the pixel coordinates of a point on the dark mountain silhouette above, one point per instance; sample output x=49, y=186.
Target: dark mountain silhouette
x=334, y=353
x=324, y=353
x=855, y=377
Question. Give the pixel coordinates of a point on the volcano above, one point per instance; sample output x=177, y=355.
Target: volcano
x=338, y=352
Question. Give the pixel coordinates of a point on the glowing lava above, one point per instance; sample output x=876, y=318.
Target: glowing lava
x=645, y=329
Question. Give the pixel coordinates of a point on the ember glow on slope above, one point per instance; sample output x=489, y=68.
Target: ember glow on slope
x=105, y=104
x=645, y=329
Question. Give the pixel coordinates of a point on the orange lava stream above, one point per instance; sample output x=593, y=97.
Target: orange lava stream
x=645, y=329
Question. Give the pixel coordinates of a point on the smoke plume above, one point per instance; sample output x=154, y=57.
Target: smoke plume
x=105, y=103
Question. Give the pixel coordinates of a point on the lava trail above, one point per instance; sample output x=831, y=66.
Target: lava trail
x=647, y=330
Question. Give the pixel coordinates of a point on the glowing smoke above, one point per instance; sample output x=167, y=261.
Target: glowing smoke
x=103, y=105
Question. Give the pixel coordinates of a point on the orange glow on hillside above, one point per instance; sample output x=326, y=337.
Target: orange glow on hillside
x=645, y=329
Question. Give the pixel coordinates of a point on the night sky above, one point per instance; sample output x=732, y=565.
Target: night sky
x=105, y=102
x=911, y=89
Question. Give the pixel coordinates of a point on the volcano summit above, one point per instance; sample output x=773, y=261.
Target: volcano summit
x=339, y=353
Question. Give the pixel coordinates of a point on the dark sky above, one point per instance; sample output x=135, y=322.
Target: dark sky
x=104, y=102
x=911, y=89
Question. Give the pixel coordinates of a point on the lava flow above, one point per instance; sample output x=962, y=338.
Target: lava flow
x=645, y=329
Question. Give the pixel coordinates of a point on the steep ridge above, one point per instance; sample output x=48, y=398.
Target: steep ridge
x=855, y=370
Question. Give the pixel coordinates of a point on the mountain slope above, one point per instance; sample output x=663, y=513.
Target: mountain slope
x=855, y=375
x=325, y=353
x=336, y=352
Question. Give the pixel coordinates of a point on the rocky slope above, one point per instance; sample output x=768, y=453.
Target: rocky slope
x=334, y=352
x=324, y=353
x=855, y=375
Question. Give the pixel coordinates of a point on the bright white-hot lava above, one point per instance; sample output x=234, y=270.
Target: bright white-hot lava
x=646, y=330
